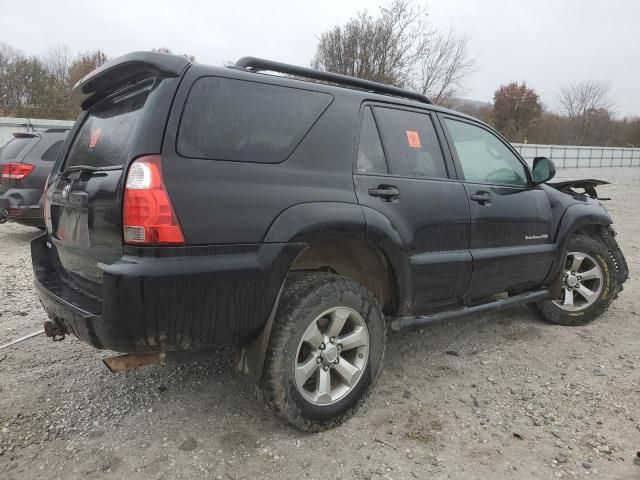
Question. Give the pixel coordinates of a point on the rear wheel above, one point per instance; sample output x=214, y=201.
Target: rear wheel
x=325, y=350
x=588, y=284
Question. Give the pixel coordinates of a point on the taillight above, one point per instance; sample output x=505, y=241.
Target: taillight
x=16, y=171
x=148, y=216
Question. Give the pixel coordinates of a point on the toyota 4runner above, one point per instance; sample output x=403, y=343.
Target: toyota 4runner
x=297, y=216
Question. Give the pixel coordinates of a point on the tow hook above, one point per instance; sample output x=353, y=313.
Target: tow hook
x=54, y=330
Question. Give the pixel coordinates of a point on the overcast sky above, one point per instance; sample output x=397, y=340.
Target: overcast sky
x=543, y=42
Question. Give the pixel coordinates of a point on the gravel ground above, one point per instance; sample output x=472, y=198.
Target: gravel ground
x=498, y=396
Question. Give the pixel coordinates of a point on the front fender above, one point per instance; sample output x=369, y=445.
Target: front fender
x=574, y=218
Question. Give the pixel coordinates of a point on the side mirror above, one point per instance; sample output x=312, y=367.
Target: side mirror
x=543, y=170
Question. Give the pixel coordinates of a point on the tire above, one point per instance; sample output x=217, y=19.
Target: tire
x=597, y=259
x=305, y=301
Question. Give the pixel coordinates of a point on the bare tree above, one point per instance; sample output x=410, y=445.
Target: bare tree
x=8, y=57
x=584, y=104
x=57, y=61
x=398, y=48
x=444, y=66
x=383, y=49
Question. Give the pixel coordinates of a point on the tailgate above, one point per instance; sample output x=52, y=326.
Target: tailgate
x=84, y=197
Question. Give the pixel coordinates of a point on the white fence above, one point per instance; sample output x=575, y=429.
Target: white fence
x=9, y=125
x=567, y=156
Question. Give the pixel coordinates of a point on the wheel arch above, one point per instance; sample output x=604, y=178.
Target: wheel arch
x=578, y=218
x=337, y=240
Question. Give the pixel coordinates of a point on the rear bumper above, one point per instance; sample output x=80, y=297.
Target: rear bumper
x=170, y=299
x=22, y=206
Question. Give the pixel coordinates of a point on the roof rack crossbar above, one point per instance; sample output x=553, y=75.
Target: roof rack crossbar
x=260, y=64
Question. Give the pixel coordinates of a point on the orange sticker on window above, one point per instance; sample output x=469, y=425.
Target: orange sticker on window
x=414, y=139
x=94, y=138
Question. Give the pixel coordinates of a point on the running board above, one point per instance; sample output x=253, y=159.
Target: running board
x=401, y=323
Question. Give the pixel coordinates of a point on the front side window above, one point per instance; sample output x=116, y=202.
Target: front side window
x=244, y=121
x=370, y=153
x=410, y=143
x=484, y=158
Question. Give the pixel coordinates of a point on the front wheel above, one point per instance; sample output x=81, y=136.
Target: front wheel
x=325, y=350
x=588, y=284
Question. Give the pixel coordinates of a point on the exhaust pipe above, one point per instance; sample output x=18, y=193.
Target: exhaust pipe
x=123, y=363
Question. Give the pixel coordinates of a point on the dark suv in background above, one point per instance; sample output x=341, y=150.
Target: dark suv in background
x=194, y=206
x=25, y=163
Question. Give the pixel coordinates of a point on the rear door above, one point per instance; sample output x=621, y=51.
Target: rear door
x=408, y=179
x=511, y=237
x=85, y=192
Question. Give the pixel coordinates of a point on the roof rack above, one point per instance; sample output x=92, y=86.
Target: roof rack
x=258, y=64
x=57, y=129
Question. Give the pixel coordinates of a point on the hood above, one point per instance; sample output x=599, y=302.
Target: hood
x=583, y=185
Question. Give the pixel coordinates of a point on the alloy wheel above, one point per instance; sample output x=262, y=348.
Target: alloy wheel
x=582, y=282
x=331, y=356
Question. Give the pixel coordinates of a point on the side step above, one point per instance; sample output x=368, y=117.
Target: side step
x=401, y=323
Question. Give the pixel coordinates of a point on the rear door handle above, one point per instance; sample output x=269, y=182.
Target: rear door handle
x=483, y=198
x=385, y=192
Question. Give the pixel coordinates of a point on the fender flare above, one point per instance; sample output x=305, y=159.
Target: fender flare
x=574, y=218
x=308, y=222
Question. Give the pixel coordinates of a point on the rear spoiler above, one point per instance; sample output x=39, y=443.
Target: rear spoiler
x=25, y=134
x=122, y=71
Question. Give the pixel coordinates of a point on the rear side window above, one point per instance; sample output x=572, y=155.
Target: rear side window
x=238, y=120
x=52, y=152
x=108, y=131
x=410, y=143
x=370, y=153
x=13, y=148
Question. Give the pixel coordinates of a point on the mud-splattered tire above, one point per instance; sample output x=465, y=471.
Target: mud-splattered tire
x=593, y=257
x=325, y=351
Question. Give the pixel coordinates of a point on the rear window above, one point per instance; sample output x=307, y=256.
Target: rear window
x=238, y=120
x=52, y=152
x=13, y=148
x=107, y=133
x=410, y=143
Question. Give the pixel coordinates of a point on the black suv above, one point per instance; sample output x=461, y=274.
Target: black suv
x=25, y=163
x=194, y=206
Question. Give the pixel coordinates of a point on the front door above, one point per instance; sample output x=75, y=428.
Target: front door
x=406, y=178
x=510, y=237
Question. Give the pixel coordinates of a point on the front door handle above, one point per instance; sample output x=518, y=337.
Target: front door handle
x=482, y=197
x=385, y=192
